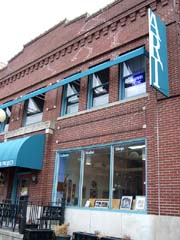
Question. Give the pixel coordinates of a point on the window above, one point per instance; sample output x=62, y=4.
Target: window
x=125, y=162
x=68, y=178
x=96, y=174
x=33, y=110
x=71, y=97
x=99, y=88
x=133, y=77
x=5, y=125
x=129, y=170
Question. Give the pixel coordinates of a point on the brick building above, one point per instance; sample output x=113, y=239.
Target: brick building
x=84, y=123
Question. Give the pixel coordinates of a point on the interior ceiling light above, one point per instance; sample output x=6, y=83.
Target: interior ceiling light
x=136, y=147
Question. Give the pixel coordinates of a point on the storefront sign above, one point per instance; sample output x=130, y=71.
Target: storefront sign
x=8, y=163
x=158, y=54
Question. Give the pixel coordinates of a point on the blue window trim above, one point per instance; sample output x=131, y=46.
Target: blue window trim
x=111, y=145
x=65, y=99
x=91, y=91
x=108, y=64
x=121, y=85
x=64, y=102
x=90, y=98
x=55, y=180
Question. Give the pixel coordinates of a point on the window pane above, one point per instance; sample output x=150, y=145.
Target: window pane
x=101, y=77
x=100, y=100
x=73, y=108
x=133, y=65
x=33, y=111
x=73, y=88
x=100, y=88
x=68, y=178
x=134, y=77
x=129, y=170
x=71, y=98
x=96, y=175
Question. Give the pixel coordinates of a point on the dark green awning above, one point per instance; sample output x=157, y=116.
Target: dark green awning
x=25, y=152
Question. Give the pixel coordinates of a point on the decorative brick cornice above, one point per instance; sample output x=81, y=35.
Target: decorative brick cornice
x=94, y=34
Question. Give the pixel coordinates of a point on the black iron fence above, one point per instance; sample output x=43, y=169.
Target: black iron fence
x=21, y=215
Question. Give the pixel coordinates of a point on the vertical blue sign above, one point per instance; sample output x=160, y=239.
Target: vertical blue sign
x=158, y=54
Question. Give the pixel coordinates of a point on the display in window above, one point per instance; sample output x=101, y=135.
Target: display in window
x=140, y=203
x=126, y=202
x=101, y=203
x=128, y=181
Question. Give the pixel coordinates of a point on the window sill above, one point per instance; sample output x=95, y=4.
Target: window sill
x=144, y=95
x=108, y=210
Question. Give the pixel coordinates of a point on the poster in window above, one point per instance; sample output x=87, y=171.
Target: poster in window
x=140, y=203
x=126, y=202
x=101, y=203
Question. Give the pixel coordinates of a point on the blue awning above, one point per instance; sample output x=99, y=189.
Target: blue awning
x=25, y=152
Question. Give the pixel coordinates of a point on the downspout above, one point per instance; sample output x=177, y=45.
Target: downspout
x=158, y=161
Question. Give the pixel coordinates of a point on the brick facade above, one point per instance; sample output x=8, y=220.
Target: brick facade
x=74, y=46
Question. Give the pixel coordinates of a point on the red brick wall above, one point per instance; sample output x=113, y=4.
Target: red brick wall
x=114, y=31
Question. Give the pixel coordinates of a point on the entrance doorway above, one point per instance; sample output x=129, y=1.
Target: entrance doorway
x=23, y=187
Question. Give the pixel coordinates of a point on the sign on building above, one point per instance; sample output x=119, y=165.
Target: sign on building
x=158, y=54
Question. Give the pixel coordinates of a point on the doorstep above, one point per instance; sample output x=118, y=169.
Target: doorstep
x=9, y=235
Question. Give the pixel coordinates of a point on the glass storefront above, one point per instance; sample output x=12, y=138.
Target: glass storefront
x=104, y=176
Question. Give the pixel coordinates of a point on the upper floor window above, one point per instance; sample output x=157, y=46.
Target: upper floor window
x=33, y=110
x=71, y=97
x=98, y=88
x=5, y=125
x=133, y=77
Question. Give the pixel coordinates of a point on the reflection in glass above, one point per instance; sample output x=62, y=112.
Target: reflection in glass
x=133, y=72
x=100, y=88
x=71, y=97
x=129, y=170
x=96, y=174
x=68, y=178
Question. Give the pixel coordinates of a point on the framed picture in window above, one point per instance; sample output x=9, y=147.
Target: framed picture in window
x=140, y=203
x=126, y=202
x=101, y=203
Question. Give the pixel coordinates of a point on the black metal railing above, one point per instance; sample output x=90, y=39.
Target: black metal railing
x=22, y=214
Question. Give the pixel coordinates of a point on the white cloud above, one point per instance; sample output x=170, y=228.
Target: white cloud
x=23, y=20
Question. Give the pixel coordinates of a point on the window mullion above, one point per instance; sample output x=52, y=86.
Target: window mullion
x=111, y=176
x=81, y=178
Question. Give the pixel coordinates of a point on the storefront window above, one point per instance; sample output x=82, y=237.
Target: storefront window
x=68, y=178
x=84, y=177
x=129, y=172
x=96, y=175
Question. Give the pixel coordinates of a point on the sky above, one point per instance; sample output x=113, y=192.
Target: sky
x=23, y=20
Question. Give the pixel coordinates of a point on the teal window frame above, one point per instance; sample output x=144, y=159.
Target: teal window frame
x=122, y=79
x=64, y=109
x=27, y=115
x=92, y=90
x=83, y=149
x=124, y=57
